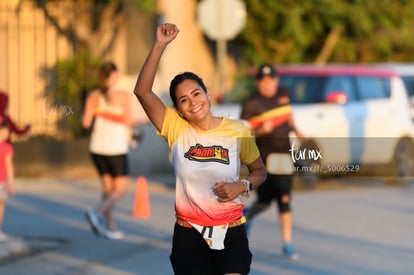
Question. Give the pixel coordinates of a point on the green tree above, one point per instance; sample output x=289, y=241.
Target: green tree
x=327, y=31
x=91, y=27
x=67, y=83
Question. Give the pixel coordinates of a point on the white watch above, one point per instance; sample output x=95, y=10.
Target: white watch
x=249, y=187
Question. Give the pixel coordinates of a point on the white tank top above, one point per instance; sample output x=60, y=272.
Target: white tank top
x=108, y=137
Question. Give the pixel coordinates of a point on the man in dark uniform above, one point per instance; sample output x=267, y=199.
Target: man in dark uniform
x=269, y=115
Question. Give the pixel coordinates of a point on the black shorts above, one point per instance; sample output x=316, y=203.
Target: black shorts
x=191, y=255
x=274, y=187
x=114, y=165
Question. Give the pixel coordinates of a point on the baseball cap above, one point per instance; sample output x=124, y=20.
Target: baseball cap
x=266, y=70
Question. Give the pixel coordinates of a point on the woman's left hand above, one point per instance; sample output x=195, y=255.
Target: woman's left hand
x=228, y=191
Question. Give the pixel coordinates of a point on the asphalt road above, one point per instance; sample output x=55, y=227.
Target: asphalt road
x=354, y=227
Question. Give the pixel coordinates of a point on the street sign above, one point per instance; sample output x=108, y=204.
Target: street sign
x=221, y=19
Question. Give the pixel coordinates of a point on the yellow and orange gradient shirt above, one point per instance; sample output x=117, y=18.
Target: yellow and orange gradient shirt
x=202, y=158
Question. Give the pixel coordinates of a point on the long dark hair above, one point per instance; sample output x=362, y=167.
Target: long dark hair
x=180, y=78
x=104, y=72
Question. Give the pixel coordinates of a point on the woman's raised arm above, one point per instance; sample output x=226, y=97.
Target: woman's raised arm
x=152, y=105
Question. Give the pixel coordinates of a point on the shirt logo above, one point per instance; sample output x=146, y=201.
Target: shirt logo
x=215, y=153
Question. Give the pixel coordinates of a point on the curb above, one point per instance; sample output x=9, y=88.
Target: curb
x=13, y=247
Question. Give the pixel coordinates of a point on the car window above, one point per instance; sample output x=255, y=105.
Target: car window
x=409, y=84
x=304, y=89
x=341, y=84
x=373, y=87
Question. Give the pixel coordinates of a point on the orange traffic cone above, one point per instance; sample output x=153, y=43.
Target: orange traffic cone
x=141, y=201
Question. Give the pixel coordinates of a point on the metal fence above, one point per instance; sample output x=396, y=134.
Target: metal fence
x=27, y=43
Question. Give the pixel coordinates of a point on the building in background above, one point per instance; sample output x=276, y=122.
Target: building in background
x=28, y=42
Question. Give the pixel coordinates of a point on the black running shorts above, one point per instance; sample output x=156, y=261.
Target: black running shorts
x=114, y=165
x=274, y=188
x=191, y=255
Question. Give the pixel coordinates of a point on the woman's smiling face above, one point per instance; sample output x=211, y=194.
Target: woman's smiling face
x=192, y=101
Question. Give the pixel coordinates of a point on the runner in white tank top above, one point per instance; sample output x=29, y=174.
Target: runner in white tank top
x=109, y=137
x=108, y=110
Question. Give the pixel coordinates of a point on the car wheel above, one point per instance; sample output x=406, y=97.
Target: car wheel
x=403, y=161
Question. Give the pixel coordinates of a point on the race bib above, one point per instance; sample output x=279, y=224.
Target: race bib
x=214, y=235
x=279, y=164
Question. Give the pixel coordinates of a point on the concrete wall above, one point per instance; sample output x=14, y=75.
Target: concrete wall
x=46, y=157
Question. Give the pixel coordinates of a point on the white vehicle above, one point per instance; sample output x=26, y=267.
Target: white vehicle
x=406, y=72
x=352, y=117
